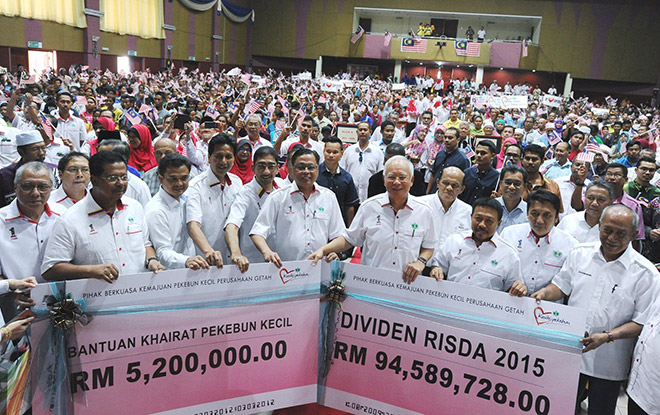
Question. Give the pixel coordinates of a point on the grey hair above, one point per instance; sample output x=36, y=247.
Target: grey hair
x=34, y=167
x=602, y=185
x=633, y=214
x=462, y=123
x=393, y=159
x=254, y=115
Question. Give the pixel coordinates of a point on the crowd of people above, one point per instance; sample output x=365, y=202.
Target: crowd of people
x=105, y=174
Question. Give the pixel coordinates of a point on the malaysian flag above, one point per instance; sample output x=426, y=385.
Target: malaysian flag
x=357, y=35
x=48, y=127
x=587, y=157
x=469, y=153
x=246, y=78
x=212, y=112
x=554, y=138
x=252, y=107
x=132, y=116
x=595, y=148
x=465, y=48
x=387, y=39
x=409, y=44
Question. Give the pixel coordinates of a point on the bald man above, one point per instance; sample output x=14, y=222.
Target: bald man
x=450, y=214
x=395, y=230
x=163, y=147
x=615, y=284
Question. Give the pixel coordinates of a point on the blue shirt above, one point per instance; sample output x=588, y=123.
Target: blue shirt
x=341, y=183
x=456, y=158
x=517, y=216
x=625, y=162
x=478, y=184
x=554, y=171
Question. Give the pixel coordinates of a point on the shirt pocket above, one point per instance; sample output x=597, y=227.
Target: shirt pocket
x=134, y=237
x=412, y=239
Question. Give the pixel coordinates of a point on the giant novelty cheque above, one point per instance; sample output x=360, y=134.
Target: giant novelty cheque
x=222, y=342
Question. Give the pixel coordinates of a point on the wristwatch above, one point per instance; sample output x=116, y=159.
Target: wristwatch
x=146, y=263
x=610, y=339
x=422, y=259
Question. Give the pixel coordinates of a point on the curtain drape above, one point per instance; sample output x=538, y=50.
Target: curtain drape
x=68, y=12
x=142, y=18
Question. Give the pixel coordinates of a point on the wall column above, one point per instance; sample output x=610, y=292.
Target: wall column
x=319, y=67
x=397, y=70
x=216, y=52
x=167, y=43
x=92, y=34
x=479, y=77
x=568, y=85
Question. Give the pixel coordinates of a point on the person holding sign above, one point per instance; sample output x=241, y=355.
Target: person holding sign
x=395, y=230
x=166, y=219
x=210, y=197
x=105, y=234
x=480, y=257
x=542, y=247
x=249, y=202
x=300, y=217
x=615, y=284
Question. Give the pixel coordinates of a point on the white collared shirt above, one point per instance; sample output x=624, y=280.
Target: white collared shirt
x=372, y=162
x=644, y=380
x=493, y=264
x=566, y=188
x=457, y=219
x=138, y=190
x=23, y=241
x=88, y=235
x=613, y=293
x=260, y=142
x=299, y=226
x=59, y=197
x=311, y=144
x=392, y=239
x=73, y=128
x=540, y=259
x=576, y=225
x=8, y=151
x=197, y=153
x=249, y=202
x=166, y=220
x=209, y=202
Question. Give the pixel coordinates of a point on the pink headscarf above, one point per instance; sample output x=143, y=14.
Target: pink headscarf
x=500, y=156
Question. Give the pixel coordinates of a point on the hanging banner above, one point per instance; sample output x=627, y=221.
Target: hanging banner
x=184, y=342
x=518, y=358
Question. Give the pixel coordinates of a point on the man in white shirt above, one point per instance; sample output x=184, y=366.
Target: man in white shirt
x=399, y=136
x=245, y=209
x=27, y=222
x=303, y=138
x=253, y=127
x=567, y=184
x=69, y=126
x=210, y=197
x=105, y=234
x=450, y=214
x=301, y=217
x=394, y=229
x=136, y=189
x=513, y=181
x=542, y=248
x=362, y=160
x=615, y=284
x=480, y=257
x=583, y=226
x=166, y=216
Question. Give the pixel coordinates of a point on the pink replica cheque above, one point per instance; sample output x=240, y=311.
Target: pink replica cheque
x=236, y=359
x=404, y=361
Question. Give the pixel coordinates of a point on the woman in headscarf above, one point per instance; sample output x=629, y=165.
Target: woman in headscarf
x=99, y=124
x=243, y=161
x=500, y=157
x=142, y=148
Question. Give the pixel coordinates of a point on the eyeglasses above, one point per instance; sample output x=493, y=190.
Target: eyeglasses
x=245, y=149
x=301, y=167
x=75, y=170
x=28, y=187
x=115, y=179
x=512, y=183
x=264, y=166
x=360, y=158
